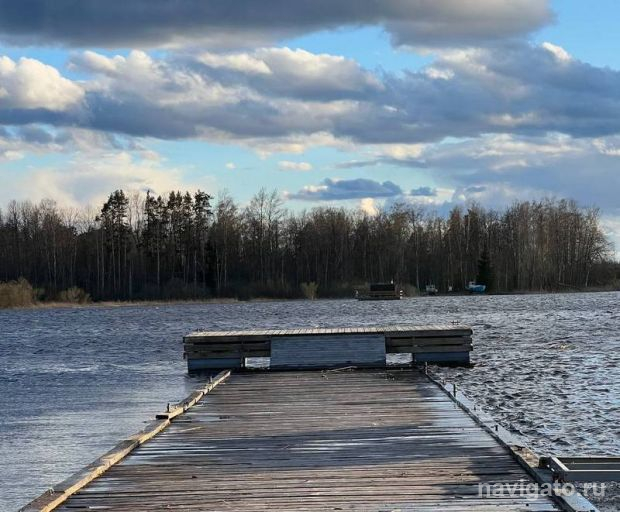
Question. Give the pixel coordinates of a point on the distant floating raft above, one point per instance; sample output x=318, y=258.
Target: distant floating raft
x=381, y=291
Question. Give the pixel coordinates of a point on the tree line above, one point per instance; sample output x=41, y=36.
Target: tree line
x=191, y=246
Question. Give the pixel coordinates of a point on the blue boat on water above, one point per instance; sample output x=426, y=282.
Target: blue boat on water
x=472, y=287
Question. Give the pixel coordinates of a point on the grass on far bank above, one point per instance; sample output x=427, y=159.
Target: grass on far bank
x=16, y=294
x=21, y=294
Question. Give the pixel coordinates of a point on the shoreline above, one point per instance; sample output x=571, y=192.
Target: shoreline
x=231, y=300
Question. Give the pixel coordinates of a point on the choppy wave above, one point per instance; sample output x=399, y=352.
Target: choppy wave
x=74, y=381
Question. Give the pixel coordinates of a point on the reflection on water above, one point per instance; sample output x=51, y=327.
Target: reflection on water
x=75, y=381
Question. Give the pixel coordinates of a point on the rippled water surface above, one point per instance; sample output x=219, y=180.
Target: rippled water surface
x=76, y=380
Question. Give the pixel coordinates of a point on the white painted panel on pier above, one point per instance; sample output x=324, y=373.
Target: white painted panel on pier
x=328, y=351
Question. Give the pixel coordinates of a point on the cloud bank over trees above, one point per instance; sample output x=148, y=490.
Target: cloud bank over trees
x=492, y=116
x=524, y=116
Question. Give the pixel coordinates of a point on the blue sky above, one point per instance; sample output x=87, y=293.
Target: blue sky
x=587, y=30
x=362, y=105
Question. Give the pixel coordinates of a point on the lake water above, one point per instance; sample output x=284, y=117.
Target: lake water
x=74, y=381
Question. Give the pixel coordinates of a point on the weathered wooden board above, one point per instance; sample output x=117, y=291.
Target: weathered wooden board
x=396, y=330
x=456, y=358
x=360, y=350
x=413, y=349
x=213, y=363
x=361, y=440
x=406, y=342
x=57, y=495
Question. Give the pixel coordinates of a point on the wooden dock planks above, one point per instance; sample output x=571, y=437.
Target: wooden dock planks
x=51, y=499
x=332, y=440
x=415, y=330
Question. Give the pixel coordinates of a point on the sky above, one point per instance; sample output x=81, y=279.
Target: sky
x=361, y=103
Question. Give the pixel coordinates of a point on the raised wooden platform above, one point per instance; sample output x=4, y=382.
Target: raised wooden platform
x=380, y=291
x=362, y=440
x=329, y=347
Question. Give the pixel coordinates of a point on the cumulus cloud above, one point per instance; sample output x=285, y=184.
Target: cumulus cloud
x=239, y=62
x=611, y=228
x=293, y=144
x=338, y=189
x=372, y=194
x=499, y=168
x=283, y=72
x=141, y=23
x=492, y=118
x=29, y=84
x=91, y=177
x=510, y=117
x=17, y=142
x=14, y=148
x=512, y=88
x=287, y=165
x=369, y=206
x=558, y=52
x=45, y=139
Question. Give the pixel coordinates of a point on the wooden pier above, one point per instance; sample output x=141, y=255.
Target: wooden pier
x=359, y=437
x=363, y=440
x=329, y=347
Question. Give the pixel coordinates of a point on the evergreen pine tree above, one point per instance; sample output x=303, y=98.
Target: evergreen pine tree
x=485, y=270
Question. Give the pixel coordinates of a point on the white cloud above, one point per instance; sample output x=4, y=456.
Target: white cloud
x=498, y=169
x=511, y=88
x=292, y=144
x=10, y=155
x=399, y=151
x=369, y=206
x=96, y=63
x=30, y=84
x=90, y=178
x=21, y=141
x=139, y=78
x=316, y=74
x=231, y=166
x=611, y=227
x=495, y=195
x=241, y=62
x=482, y=123
x=558, y=52
x=608, y=146
x=439, y=74
x=287, y=165
x=508, y=120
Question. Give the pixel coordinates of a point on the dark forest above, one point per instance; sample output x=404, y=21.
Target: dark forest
x=190, y=246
